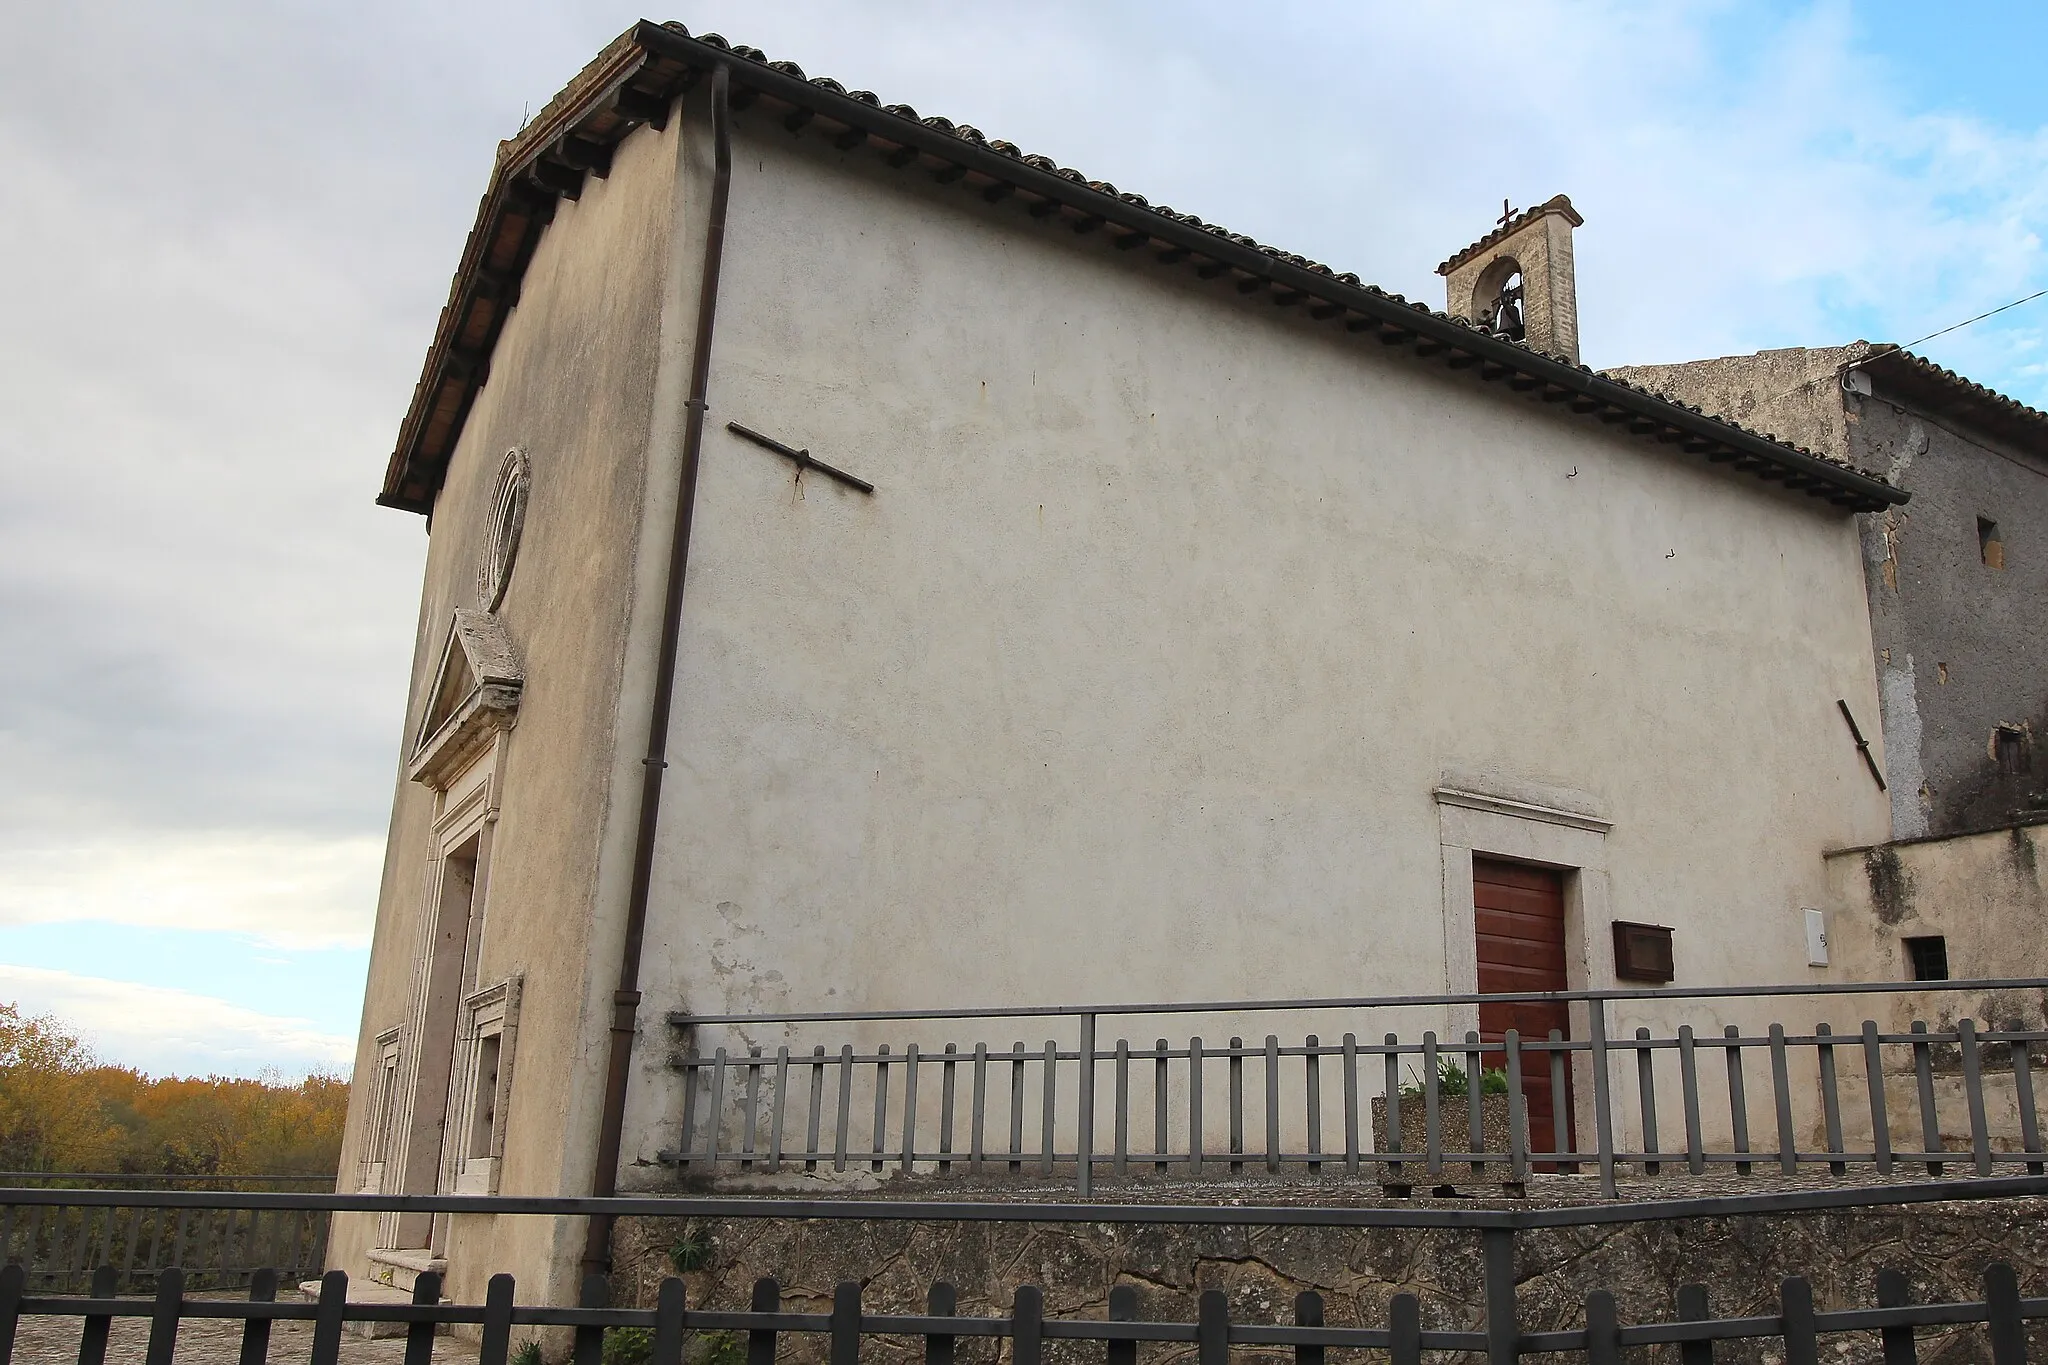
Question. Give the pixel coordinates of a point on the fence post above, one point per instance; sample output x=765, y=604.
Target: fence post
x=1212, y=1330
x=1873, y=1074
x=1084, y=1117
x=1503, y=1331
x=1518, y=1113
x=1781, y=1094
x=1892, y=1292
x=881, y=1136
x=1973, y=1094
x=1802, y=1338
x=419, y=1336
x=1646, y=1087
x=1603, y=1330
x=1046, y=1144
x=1272, y=1102
x=326, y=1320
x=669, y=1303
x=942, y=1301
x=1404, y=1330
x=1603, y=1102
x=170, y=1297
x=1831, y=1100
x=2023, y=1091
x=1693, y=1307
x=497, y=1333
x=12, y=1278
x=1308, y=1312
x=1738, y=1098
x=1475, y=1100
x=92, y=1337
x=910, y=1109
x=1351, y=1145
x=846, y=1323
x=2002, y=1305
x=256, y=1331
x=1120, y=1162
x=1123, y=1307
x=1027, y=1326
x=589, y=1340
x=1432, y=1137
x=1390, y=1172
x=1923, y=1075
x=1236, y=1073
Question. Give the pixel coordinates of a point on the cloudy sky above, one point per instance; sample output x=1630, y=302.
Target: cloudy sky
x=228, y=227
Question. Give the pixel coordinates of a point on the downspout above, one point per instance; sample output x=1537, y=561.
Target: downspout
x=626, y=999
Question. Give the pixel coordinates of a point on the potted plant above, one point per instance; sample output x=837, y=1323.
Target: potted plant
x=1453, y=1089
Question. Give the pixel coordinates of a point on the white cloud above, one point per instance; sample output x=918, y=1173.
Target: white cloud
x=291, y=891
x=171, y=1032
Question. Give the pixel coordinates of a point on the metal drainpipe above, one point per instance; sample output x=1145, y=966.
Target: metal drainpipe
x=626, y=1000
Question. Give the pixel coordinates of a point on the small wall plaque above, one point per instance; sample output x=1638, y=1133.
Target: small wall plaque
x=1642, y=952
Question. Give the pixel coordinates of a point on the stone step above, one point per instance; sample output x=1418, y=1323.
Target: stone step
x=401, y=1267
x=365, y=1291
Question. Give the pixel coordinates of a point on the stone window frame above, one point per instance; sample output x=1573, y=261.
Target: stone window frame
x=492, y=1012
x=383, y=1114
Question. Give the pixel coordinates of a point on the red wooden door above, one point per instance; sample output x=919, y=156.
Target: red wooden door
x=1519, y=912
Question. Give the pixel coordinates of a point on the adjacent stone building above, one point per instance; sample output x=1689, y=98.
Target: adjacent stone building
x=873, y=567
x=1956, y=580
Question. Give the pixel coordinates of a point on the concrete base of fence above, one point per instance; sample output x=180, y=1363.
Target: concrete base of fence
x=1943, y=1248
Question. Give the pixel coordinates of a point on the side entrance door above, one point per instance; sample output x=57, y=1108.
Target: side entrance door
x=1519, y=911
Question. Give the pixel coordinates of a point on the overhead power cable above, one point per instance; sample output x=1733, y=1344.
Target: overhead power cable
x=1952, y=327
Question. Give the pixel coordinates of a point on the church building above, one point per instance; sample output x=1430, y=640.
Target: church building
x=873, y=567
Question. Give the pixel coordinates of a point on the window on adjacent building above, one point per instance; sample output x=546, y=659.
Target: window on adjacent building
x=1929, y=957
x=1989, y=546
x=2009, y=749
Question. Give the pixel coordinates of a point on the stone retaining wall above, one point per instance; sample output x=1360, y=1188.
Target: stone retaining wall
x=1942, y=1247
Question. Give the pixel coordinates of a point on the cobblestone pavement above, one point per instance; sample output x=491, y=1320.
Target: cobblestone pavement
x=212, y=1341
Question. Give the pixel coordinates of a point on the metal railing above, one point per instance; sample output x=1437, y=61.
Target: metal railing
x=64, y=1244
x=1798, y=1324
x=1893, y=1323
x=1747, y=1096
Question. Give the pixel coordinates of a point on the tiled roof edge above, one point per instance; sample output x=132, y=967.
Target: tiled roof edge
x=1557, y=203
x=1889, y=359
x=611, y=105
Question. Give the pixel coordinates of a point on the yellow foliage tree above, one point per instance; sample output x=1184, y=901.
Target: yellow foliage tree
x=63, y=1110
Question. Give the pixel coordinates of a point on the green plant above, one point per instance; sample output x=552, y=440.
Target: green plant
x=720, y=1348
x=627, y=1345
x=692, y=1251
x=1452, y=1083
x=527, y=1354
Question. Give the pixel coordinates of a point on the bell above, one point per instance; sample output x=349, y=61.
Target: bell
x=1507, y=320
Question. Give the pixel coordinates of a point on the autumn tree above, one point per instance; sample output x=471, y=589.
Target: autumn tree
x=61, y=1109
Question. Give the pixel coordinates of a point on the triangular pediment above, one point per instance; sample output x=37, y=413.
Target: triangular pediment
x=474, y=695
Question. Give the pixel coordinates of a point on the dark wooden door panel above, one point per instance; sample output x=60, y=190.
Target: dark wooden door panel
x=1519, y=915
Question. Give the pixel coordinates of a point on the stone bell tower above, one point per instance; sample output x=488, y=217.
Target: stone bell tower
x=1517, y=280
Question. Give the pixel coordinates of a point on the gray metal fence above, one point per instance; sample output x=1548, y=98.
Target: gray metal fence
x=1890, y=1322
x=60, y=1245
x=767, y=1327
x=1906, y=1098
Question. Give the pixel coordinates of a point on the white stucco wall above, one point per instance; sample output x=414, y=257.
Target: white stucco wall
x=1135, y=677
